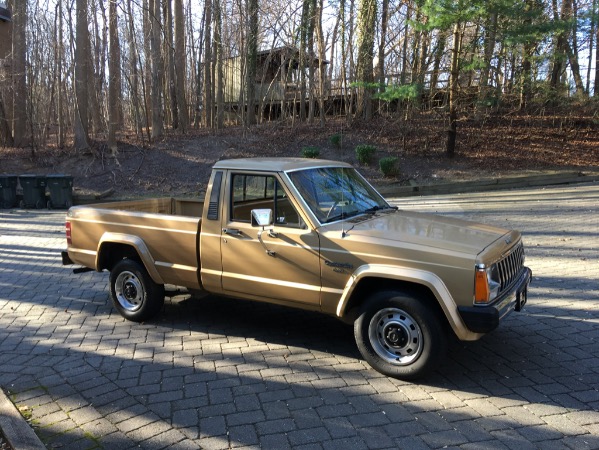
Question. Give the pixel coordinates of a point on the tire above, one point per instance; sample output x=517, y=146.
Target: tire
x=400, y=336
x=134, y=294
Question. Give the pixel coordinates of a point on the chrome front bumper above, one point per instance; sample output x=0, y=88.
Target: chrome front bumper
x=483, y=319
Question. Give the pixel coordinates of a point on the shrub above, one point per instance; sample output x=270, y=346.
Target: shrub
x=364, y=153
x=388, y=166
x=310, y=152
x=336, y=140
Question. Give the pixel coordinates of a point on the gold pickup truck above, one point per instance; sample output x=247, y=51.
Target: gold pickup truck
x=310, y=234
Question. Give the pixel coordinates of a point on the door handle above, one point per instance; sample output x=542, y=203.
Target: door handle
x=232, y=231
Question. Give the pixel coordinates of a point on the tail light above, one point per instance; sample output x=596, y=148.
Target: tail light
x=67, y=227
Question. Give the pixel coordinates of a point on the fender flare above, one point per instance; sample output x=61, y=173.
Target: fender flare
x=140, y=247
x=414, y=276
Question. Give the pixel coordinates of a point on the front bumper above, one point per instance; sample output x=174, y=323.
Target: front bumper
x=483, y=319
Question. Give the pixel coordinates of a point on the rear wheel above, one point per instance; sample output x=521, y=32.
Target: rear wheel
x=134, y=294
x=399, y=335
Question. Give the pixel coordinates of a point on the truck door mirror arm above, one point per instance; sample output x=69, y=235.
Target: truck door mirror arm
x=263, y=218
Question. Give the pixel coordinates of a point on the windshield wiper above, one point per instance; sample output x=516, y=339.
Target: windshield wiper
x=343, y=215
x=376, y=208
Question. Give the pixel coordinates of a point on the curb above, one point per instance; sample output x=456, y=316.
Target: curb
x=15, y=429
x=493, y=184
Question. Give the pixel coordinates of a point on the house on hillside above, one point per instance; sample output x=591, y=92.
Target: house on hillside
x=277, y=76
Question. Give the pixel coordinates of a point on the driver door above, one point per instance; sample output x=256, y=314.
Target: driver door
x=280, y=263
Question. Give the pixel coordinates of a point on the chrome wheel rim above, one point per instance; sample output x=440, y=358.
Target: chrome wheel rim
x=129, y=291
x=395, y=336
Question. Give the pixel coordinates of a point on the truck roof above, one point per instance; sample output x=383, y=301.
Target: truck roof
x=277, y=164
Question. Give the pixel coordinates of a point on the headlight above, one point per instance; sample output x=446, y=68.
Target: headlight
x=486, y=284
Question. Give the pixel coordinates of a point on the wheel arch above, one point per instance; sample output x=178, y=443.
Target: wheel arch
x=368, y=279
x=113, y=247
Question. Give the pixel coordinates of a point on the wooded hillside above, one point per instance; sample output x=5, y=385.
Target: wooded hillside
x=85, y=71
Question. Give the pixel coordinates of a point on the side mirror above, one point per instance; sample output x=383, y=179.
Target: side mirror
x=261, y=217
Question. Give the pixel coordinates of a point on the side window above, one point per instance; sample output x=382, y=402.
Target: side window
x=251, y=192
x=260, y=191
x=285, y=213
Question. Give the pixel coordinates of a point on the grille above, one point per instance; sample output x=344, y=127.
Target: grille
x=510, y=266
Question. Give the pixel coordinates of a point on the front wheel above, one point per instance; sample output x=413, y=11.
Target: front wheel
x=134, y=294
x=400, y=336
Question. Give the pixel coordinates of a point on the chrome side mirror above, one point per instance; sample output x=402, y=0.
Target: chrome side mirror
x=261, y=217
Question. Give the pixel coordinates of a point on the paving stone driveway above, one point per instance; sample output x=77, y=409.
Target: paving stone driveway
x=214, y=373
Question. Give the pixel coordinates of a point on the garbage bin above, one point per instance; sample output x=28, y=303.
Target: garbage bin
x=34, y=191
x=61, y=191
x=8, y=190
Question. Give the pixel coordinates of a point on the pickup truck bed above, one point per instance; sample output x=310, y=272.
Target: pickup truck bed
x=164, y=231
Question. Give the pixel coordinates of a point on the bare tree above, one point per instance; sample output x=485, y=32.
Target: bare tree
x=180, y=65
x=366, y=23
x=169, y=53
x=81, y=121
x=157, y=71
x=19, y=60
x=453, y=89
x=218, y=43
x=114, y=68
x=208, y=98
x=252, y=60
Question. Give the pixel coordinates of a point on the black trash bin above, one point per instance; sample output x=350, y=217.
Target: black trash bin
x=8, y=190
x=34, y=191
x=61, y=191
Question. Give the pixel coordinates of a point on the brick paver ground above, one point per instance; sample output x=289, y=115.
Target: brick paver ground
x=215, y=373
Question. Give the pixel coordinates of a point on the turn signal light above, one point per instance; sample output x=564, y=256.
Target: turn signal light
x=481, y=286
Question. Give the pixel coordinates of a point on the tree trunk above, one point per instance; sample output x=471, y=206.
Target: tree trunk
x=170, y=58
x=81, y=123
x=208, y=98
x=321, y=56
x=19, y=49
x=453, y=91
x=252, y=61
x=134, y=73
x=181, y=66
x=147, y=7
x=96, y=72
x=113, y=81
x=441, y=41
x=596, y=89
x=157, y=71
x=59, y=64
x=380, y=67
x=572, y=50
x=303, y=57
x=591, y=46
x=489, y=47
x=311, y=82
x=220, y=103
x=366, y=26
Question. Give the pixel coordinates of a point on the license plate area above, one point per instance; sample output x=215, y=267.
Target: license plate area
x=521, y=298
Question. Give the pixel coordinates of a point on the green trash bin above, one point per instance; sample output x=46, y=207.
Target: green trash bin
x=34, y=191
x=8, y=190
x=61, y=191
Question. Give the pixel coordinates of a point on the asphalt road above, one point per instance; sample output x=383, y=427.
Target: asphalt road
x=215, y=373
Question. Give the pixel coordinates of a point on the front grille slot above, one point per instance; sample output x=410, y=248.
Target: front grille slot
x=510, y=266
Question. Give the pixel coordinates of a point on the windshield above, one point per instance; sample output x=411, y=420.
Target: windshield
x=335, y=193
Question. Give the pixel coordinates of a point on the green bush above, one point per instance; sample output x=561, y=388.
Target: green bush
x=336, y=140
x=310, y=152
x=388, y=166
x=364, y=153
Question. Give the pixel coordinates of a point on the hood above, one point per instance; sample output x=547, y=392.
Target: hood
x=424, y=229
